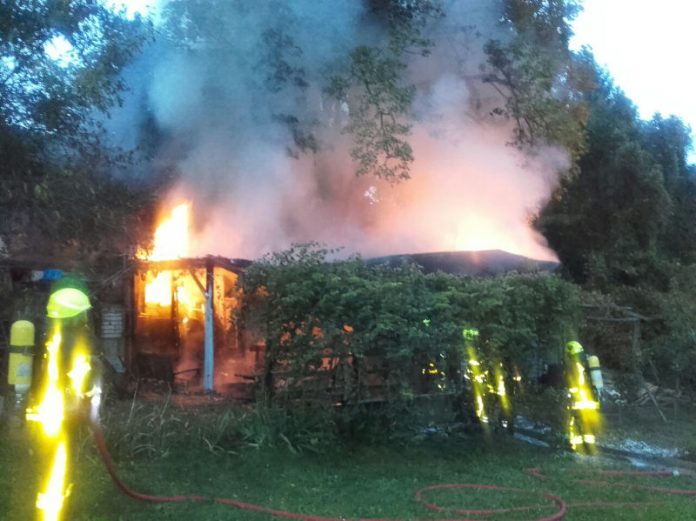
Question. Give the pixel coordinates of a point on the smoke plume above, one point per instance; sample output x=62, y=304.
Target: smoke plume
x=219, y=113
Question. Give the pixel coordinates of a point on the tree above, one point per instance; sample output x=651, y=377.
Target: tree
x=668, y=141
x=54, y=188
x=622, y=225
x=605, y=221
x=379, y=106
x=366, y=79
x=538, y=77
x=374, y=90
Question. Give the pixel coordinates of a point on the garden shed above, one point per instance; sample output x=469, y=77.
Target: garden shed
x=184, y=323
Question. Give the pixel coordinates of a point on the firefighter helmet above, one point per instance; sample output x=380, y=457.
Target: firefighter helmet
x=67, y=303
x=574, y=348
x=470, y=333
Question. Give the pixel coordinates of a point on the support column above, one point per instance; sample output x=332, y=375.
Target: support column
x=208, y=360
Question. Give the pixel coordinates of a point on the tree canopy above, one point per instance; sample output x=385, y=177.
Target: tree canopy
x=622, y=224
x=60, y=72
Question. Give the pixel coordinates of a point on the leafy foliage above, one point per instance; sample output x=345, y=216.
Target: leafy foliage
x=377, y=113
x=345, y=331
x=40, y=93
x=54, y=191
x=605, y=222
x=673, y=349
x=537, y=75
x=373, y=89
x=623, y=225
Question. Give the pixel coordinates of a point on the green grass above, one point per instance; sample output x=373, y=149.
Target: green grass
x=369, y=482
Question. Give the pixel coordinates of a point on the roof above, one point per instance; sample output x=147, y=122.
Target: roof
x=468, y=263
x=209, y=261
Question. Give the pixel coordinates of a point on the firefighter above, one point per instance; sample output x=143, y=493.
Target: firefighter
x=486, y=380
x=69, y=392
x=434, y=372
x=583, y=402
x=68, y=313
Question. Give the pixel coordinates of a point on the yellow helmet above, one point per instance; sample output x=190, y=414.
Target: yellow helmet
x=470, y=333
x=67, y=303
x=574, y=348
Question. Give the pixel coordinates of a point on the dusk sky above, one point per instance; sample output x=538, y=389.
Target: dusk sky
x=647, y=47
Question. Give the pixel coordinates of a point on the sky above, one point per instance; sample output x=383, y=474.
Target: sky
x=648, y=48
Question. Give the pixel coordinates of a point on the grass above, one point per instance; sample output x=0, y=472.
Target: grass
x=161, y=449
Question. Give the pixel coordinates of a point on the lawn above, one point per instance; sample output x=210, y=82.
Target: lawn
x=351, y=483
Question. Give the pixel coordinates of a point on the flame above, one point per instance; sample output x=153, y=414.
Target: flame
x=159, y=290
x=172, y=235
x=473, y=233
x=171, y=241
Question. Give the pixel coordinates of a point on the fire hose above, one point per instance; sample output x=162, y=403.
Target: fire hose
x=558, y=502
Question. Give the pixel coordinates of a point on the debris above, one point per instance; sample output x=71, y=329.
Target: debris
x=644, y=448
x=662, y=395
x=531, y=440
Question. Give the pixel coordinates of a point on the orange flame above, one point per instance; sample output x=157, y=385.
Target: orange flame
x=171, y=242
x=475, y=234
x=172, y=235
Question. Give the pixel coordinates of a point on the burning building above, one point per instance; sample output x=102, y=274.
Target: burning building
x=185, y=310
x=184, y=320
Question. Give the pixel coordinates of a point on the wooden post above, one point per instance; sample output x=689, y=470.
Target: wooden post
x=208, y=360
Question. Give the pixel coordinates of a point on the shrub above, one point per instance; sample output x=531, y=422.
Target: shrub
x=348, y=333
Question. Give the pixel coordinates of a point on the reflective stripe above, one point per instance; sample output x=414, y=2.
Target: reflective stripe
x=586, y=405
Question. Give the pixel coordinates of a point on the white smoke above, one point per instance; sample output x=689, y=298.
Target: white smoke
x=253, y=193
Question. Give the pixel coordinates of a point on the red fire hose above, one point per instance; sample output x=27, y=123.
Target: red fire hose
x=534, y=472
